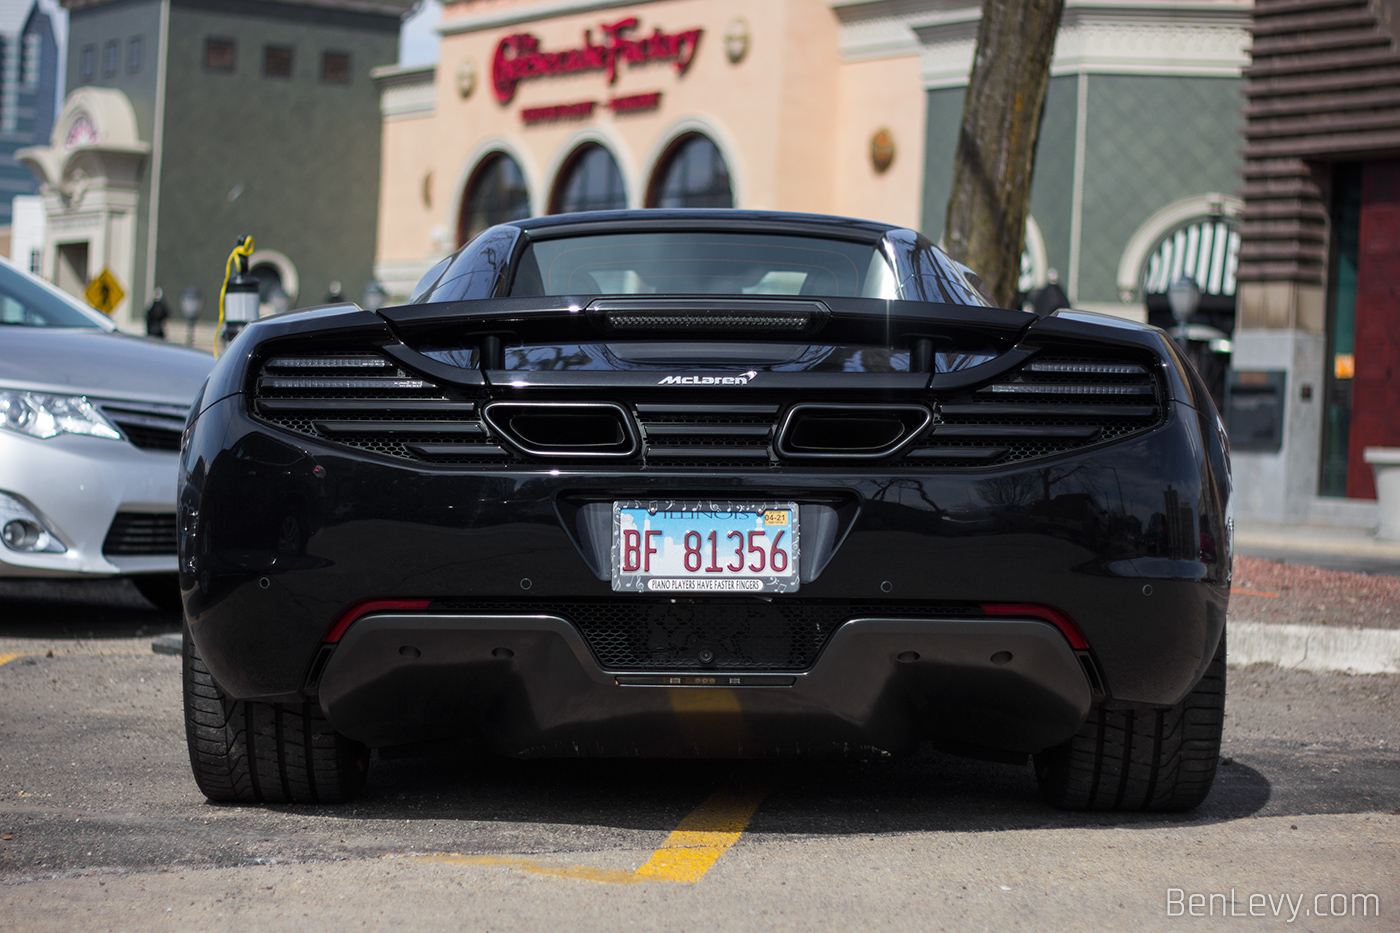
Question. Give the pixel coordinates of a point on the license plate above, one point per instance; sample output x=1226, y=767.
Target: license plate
x=705, y=547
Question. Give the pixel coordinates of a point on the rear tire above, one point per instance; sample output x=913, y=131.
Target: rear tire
x=1141, y=759
x=243, y=751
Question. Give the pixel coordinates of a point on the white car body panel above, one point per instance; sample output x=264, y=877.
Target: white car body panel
x=76, y=484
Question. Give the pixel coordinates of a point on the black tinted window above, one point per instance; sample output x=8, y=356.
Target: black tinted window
x=219, y=55
x=335, y=67
x=277, y=61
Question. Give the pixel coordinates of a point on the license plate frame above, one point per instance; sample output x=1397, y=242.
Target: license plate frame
x=643, y=563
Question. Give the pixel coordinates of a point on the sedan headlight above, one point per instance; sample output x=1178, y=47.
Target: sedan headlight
x=40, y=415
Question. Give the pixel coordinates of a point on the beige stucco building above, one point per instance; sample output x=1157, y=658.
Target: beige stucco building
x=764, y=82
x=841, y=106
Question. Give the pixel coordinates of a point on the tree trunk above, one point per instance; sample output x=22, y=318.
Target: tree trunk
x=986, y=224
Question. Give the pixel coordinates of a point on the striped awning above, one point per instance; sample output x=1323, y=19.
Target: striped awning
x=1206, y=249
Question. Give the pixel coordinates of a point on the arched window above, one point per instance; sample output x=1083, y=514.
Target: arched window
x=275, y=273
x=692, y=173
x=496, y=193
x=1205, y=248
x=589, y=181
x=269, y=278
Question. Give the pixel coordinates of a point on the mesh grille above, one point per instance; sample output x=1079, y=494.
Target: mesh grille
x=707, y=320
x=134, y=534
x=707, y=434
x=1053, y=404
x=364, y=401
x=743, y=635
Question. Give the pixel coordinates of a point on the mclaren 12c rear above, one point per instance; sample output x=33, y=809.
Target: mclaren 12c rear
x=705, y=483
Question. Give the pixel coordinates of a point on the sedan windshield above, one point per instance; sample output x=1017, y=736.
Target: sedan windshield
x=700, y=263
x=26, y=303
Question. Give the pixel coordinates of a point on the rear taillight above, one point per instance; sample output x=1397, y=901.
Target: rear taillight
x=359, y=610
x=1049, y=614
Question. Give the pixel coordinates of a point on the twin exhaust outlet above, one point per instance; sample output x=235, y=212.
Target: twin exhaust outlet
x=609, y=430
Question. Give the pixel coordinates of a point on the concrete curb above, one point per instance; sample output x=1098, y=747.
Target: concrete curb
x=1306, y=542
x=174, y=643
x=1316, y=647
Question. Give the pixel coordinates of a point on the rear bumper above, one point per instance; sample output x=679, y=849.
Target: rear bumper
x=530, y=687
x=284, y=535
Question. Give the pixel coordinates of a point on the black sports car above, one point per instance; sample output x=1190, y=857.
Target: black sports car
x=705, y=483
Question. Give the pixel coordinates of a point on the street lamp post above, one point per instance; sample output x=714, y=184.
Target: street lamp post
x=1184, y=296
x=375, y=296
x=191, y=303
x=280, y=300
x=241, y=299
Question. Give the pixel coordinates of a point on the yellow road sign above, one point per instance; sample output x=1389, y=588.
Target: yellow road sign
x=104, y=292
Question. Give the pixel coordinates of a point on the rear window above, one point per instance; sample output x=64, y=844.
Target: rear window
x=703, y=263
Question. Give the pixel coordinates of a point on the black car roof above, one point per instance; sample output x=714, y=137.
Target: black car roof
x=717, y=219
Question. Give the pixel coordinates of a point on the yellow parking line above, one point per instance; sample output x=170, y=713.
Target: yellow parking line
x=7, y=658
x=705, y=834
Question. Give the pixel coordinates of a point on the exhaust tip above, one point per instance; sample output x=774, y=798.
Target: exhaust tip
x=850, y=431
x=564, y=429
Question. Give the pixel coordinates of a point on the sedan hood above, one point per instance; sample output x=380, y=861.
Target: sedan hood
x=100, y=364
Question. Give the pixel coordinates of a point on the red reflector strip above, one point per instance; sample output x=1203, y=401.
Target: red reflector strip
x=1054, y=616
x=365, y=608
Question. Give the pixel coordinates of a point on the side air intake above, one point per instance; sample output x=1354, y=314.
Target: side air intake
x=362, y=400
x=1053, y=404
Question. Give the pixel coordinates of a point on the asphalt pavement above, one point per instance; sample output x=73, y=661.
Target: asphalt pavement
x=101, y=826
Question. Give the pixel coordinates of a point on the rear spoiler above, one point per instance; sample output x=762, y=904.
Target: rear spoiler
x=490, y=324
x=590, y=318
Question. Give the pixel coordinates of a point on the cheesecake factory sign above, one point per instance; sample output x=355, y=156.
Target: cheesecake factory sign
x=519, y=57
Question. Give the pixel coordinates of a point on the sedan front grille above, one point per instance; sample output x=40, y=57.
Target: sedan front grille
x=148, y=425
x=141, y=534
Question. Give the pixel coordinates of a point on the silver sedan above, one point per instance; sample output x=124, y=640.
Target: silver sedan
x=90, y=424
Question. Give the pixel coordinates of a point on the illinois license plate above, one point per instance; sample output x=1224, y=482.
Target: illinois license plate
x=705, y=547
